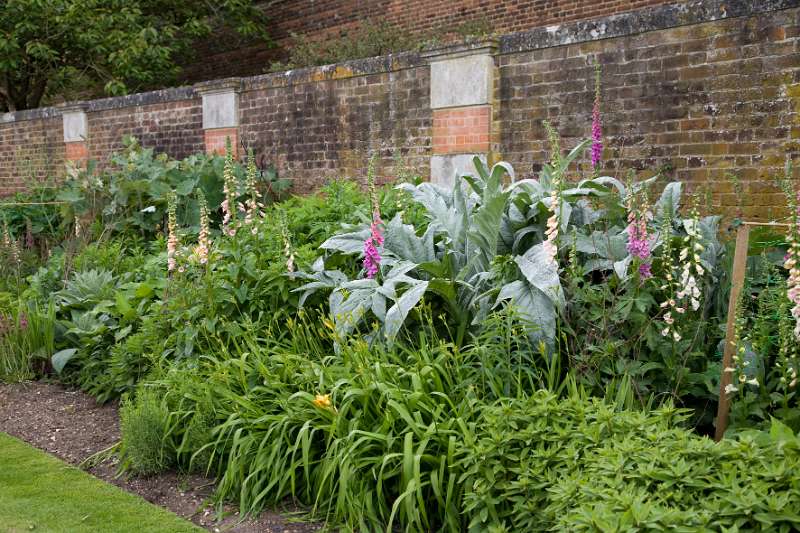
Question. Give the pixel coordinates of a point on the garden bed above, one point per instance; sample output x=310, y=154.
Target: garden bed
x=72, y=426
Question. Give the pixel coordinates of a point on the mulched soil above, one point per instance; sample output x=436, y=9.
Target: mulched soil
x=72, y=426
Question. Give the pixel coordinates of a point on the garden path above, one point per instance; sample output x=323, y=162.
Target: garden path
x=72, y=426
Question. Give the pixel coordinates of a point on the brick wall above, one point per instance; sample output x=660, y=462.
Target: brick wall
x=30, y=152
x=171, y=127
x=314, y=131
x=699, y=91
x=700, y=102
x=323, y=19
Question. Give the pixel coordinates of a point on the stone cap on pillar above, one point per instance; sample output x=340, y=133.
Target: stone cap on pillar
x=76, y=125
x=220, y=102
x=462, y=74
x=468, y=48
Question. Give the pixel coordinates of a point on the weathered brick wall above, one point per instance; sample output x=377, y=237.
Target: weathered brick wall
x=30, y=152
x=316, y=130
x=323, y=19
x=171, y=127
x=699, y=102
x=699, y=91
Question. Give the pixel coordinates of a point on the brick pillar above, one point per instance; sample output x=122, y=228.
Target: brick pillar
x=462, y=91
x=76, y=135
x=220, y=114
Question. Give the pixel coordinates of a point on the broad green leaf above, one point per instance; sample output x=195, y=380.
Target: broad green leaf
x=541, y=272
x=60, y=359
x=397, y=314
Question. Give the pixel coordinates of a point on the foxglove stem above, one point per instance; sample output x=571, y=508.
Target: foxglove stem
x=253, y=204
x=638, y=245
x=670, y=328
x=372, y=257
x=172, y=229
x=288, y=251
x=201, y=251
x=691, y=270
x=792, y=263
x=10, y=245
x=597, y=128
x=550, y=243
x=230, y=188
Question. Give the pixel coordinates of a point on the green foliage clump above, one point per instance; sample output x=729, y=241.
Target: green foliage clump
x=542, y=464
x=368, y=39
x=145, y=448
x=54, y=47
x=27, y=339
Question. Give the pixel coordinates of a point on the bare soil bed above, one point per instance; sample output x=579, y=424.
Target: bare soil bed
x=72, y=426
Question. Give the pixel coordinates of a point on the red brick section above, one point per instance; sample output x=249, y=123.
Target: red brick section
x=461, y=130
x=216, y=140
x=77, y=152
x=324, y=19
x=31, y=151
x=701, y=103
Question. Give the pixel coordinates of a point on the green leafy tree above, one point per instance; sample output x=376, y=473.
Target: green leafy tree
x=49, y=47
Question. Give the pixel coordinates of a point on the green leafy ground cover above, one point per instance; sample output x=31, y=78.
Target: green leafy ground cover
x=40, y=493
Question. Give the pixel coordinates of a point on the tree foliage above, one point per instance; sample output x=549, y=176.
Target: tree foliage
x=48, y=46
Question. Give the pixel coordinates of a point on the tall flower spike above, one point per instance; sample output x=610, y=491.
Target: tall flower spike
x=597, y=127
x=10, y=244
x=231, y=190
x=253, y=203
x=638, y=245
x=288, y=251
x=792, y=263
x=29, y=243
x=201, y=251
x=553, y=222
x=692, y=270
x=372, y=257
x=172, y=228
x=373, y=191
x=670, y=304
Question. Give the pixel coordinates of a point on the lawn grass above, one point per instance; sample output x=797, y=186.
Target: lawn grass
x=41, y=493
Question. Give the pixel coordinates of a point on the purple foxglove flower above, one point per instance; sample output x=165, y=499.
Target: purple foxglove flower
x=372, y=257
x=597, y=134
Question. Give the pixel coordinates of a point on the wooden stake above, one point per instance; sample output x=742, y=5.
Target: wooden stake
x=737, y=283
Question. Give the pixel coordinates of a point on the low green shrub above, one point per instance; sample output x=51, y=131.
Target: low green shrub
x=144, y=420
x=541, y=464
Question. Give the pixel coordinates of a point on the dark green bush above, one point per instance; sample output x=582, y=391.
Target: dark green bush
x=542, y=464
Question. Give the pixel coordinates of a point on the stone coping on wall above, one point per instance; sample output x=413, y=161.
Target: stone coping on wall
x=620, y=25
x=639, y=21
